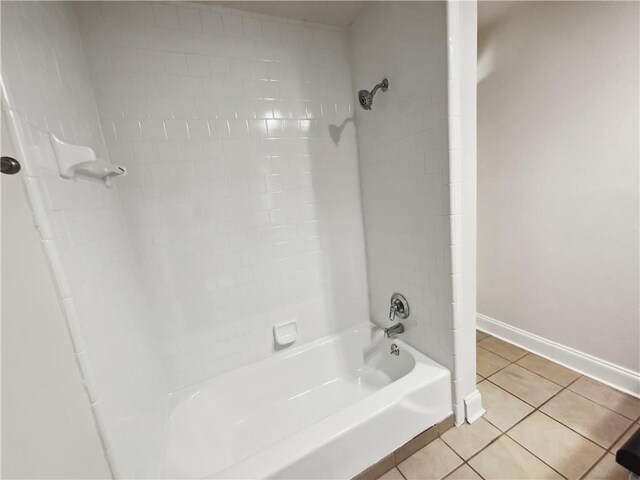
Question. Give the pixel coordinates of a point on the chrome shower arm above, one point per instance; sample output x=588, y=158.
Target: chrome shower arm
x=384, y=85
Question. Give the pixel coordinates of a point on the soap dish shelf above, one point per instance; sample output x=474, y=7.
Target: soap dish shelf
x=286, y=333
x=78, y=161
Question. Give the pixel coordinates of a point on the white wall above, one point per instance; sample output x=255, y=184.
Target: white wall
x=403, y=149
x=83, y=234
x=244, y=209
x=558, y=190
x=48, y=430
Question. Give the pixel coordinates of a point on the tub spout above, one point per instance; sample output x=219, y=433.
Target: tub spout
x=395, y=330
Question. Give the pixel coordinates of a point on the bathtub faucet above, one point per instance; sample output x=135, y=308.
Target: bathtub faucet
x=394, y=330
x=399, y=307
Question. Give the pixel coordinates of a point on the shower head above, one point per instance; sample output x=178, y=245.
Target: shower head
x=365, y=97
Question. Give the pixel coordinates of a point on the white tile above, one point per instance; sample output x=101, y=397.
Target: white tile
x=400, y=171
x=198, y=129
x=232, y=25
x=125, y=59
x=153, y=130
x=166, y=16
x=259, y=197
x=189, y=19
x=219, y=66
x=211, y=22
x=252, y=28
x=176, y=129
x=175, y=63
x=271, y=31
x=151, y=61
x=198, y=65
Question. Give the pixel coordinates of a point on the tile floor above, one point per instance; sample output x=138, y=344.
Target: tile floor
x=543, y=421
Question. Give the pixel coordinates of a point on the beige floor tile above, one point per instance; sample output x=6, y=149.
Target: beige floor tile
x=505, y=459
x=435, y=461
x=479, y=378
x=525, y=385
x=556, y=445
x=502, y=348
x=587, y=418
x=503, y=409
x=393, y=474
x=469, y=439
x=488, y=363
x=465, y=472
x=608, y=397
x=548, y=369
x=481, y=335
x=634, y=428
x=607, y=469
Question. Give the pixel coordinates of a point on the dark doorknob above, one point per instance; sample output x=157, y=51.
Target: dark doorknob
x=10, y=166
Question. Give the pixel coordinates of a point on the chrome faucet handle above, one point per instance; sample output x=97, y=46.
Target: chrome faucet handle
x=393, y=310
x=399, y=307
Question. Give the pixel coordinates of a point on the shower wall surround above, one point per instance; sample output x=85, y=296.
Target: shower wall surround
x=404, y=167
x=83, y=233
x=243, y=194
x=242, y=207
x=414, y=155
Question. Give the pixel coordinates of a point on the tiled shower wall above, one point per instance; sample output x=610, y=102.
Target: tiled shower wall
x=243, y=192
x=404, y=167
x=83, y=231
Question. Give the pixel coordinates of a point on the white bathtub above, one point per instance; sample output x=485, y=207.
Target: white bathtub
x=328, y=409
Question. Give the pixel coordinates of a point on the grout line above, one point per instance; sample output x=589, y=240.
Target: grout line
x=594, y=465
x=563, y=386
x=486, y=446
x=499, y=370
x=580, y=375
x=401, y=474
x=454, y=451
x=543, y=404
x=533, y=454
x=537, y=409
x=622, y=435
x=527, y=352
x=593, y=401
x=514, y=395
x=505, y=433
x=581, y=434
x=473, y=469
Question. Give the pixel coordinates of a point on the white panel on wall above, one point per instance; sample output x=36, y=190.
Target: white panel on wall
x=243, y=193
x=404, y=167
x=84, y=234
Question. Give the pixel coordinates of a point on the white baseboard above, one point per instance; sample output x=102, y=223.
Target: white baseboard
x=473, y=406
x=618, y=377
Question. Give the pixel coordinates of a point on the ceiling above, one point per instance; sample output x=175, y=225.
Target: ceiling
x=337, y=13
